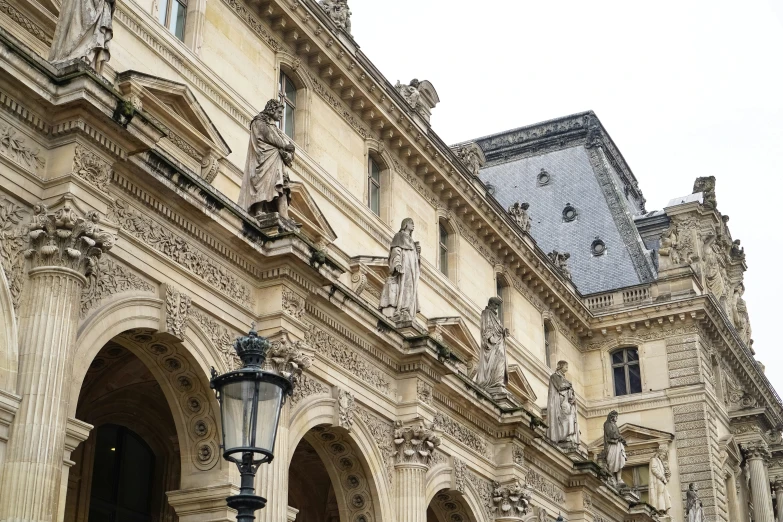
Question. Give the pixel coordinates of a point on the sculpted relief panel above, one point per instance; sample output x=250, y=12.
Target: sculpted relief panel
x=12, y=243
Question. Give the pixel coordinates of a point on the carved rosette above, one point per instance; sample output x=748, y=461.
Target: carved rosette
x=288, y=358
x=414, y=445
x=66, y=239
x=178, y=306
x=756, y=450
x=510, y=501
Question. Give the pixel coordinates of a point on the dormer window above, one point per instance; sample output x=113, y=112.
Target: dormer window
x=172, y=14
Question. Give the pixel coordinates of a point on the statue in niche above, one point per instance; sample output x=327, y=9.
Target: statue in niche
x=339, y=13
x=561, y=408
x=659, y=478
x=560, y=260
x=518, y=212
x=400, y=296
x=693, y=506
x=83, y=32
x=410, y=93
x=669, y=252
x=614, y=448
x=492, y=374
x=265, y=186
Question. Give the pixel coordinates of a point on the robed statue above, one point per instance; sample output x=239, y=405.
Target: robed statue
x=614, y=447
x=265, y=186
x=492, y=374
x=693, y=505
x=400, y=295
x=83, y=32
x=561, y=408
x=659, y=478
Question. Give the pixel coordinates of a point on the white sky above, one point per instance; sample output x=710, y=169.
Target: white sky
x=685, y=88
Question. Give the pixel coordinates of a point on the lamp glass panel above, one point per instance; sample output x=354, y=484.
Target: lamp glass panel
x=270, y=397
x=251, y=410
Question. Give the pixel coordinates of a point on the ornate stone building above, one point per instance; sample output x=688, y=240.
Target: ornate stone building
x=128, y=269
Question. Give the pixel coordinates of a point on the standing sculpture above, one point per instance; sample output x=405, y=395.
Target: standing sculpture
x=400, y=296
x=693, y=506
x=83, y=32
x=410, y=92
x=265, y=186
x=659, y=478
x=669, y=254
x=561, y=409
x=518, y=212
x=614, y=448
x=492, y=372
x=339, y=13
x=560, y=260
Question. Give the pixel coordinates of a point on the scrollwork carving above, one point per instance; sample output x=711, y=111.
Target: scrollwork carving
x=463, y=434
x=178, y=305
x=346, y=407
x=293, y=303
x=220, y=337
x=91, y=168
x=14, y=146
x=107, y=279
x=12, y=243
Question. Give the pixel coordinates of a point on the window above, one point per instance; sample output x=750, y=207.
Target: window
x=122, y=476
x=443, y=248
x=627, y=374
x=374, y=186
x=171, y=14
x=287, y=95
x=549, y=342
x=638, y=477
x=499, y=293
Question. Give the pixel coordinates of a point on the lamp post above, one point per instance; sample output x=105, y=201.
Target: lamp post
x=250, y=402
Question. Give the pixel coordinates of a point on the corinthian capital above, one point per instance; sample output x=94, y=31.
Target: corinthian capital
x=64, y=238
x=756, y=450
x=414, y=444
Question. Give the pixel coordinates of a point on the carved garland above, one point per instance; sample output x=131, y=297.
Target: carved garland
x=14, y=146
x=12, y=243
x=221, y=338
x=107, y=279
x=382, y=432
x=463, y=434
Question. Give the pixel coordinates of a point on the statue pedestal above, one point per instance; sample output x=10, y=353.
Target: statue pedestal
x=629, y=495
x=573, y=450
x=409, y=328
x=272, y=224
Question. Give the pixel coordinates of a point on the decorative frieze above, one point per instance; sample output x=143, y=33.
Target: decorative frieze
x=178, y=306
x=26, y=23
x=293, y=304
x=306, y=387
x=414, y=444
x=346, y=405
x=484, y=490
x=14, y=145
x=382, y=432
x=221, y=338
x=545, y=487
x=463, y=434
x=109, y=278
x=13, y=240
x=91, y=167
x=179, y=250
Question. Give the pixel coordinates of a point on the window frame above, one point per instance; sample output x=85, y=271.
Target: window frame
x=549, y=342
x=626, y=364
x=373, y=183
x=165, y=20
x=284, y=80
x=643, y=489
x=443, y=249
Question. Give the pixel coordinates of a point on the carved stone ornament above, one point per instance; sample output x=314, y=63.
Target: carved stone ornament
x=178, y=305
x=91, y=168
x=520, y=215
x=414, y=444
x=293, y=304
x=66, y=239
x=410, y=93
x=346, y=407
x=110, y=278
x=15, y=147
x=706, y=185
x=756, y=450
x=288, y=358
x=560, y=260
x=510, y=501
x=424, y=392
x=13, y=240
x=472, y=157
x=460, y=475
x=339, y=13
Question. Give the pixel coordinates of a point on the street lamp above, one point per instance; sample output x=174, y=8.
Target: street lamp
x=250, y=403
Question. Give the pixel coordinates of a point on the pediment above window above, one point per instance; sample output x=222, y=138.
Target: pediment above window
x=519, y=386
x=190, y=136
x=454, y=333
x=304, y=210
x=641, y=442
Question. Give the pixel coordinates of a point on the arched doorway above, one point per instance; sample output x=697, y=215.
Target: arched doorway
x=310, y=490
x=131, y=459
x=449, y=506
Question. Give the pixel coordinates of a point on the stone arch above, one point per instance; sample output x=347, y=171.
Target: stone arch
x=313, y=419
x=9, y=342
x=452, y=506
x=133, y=323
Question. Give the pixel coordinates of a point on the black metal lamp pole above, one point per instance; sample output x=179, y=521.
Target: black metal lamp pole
x=250, y=403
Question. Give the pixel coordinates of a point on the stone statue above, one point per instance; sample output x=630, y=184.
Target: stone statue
x=83, y=32
x=693, y=506
x=265, y=186
x=713, y=276
x=659, y=478
x=339, y=13
x=737, y=252
x=492, y=372
x=472, y=157
x=741, y=318
x=561, y=408
x=400, y=296
x=560, y=260
x=669, y=253
x=410, y=92
x=518, y=212
x=614, y=447
x=706, y=185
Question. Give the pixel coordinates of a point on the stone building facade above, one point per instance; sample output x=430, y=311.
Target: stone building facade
x=128, y=270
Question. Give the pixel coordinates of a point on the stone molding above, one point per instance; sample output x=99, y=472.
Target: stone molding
x=414, y=445
x=23, y=21
x=462, y=434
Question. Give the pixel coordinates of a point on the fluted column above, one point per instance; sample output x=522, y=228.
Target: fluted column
x=272, y=478
x=414, y=448
x=778, y=486
x=62, y=249
x=757, y=454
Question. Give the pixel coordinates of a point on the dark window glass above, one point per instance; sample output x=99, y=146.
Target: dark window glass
x=374, y=187
x=287, y=96
x=443, y=242
x=548, y=343
x=499, y=290
x=172, y=14
x=626, y=371
x=122, y=477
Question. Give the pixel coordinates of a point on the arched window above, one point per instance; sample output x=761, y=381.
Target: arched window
x=374, y=186
x=287, y=95
x=443, y=248
x=122, y=476
x=172, y=15
x=627, y=372
x=549, y=342
x=503, y=291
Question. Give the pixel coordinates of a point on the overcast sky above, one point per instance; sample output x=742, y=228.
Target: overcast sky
x=685, y=88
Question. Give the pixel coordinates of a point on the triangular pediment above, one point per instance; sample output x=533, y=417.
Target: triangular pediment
x=731, y=449
x=519, y=386
x=641, y=442
x=304, y=210
x=454, y=333
x=190, y=134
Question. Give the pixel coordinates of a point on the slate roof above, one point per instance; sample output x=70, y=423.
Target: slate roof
x=587, y=171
